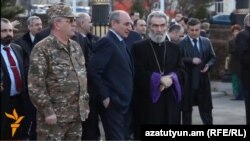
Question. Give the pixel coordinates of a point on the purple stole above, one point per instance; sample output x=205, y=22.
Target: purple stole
x=155, y=84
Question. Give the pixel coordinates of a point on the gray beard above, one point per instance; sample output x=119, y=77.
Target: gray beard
x=157, y=38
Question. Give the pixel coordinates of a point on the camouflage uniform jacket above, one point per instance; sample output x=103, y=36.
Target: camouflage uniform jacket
x=57, y=80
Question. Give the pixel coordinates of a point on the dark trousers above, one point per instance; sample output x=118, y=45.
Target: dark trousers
x=206, y=115
x=247, y=105
x=113, y=122
x=31, y=125
x=90, y=128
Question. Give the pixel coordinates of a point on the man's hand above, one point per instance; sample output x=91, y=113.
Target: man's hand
x=161, y=88
x=52, y=119
x=196, y=60
x=205, y=68
x=106, y=102
x=166, y=81
x=1, y=87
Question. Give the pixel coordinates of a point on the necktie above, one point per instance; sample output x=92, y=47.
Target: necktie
x=14, y=70
x=197, y=53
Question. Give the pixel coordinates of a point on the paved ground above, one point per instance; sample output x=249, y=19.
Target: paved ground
x=225, y=111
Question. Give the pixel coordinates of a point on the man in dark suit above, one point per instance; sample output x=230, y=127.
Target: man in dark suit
x=243, y=50
x=13, y=90
x=34, y=24
x=133, y=37
x=140, y=27
x=26, y=42
x=111, y=75
x=198, y=56
x=91, y=125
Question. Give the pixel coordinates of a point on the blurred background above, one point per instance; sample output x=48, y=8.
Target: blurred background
x=221, y=14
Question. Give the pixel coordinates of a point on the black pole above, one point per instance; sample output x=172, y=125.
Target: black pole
x=100, y=11
x=242, y=8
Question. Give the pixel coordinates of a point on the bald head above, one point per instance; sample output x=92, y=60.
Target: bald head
x=83, y=23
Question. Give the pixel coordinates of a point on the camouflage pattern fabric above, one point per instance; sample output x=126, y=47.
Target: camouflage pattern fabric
x=60, y=11
x=57, y=80
x=57, y=132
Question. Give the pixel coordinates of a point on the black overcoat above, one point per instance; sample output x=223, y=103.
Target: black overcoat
x=194, y=76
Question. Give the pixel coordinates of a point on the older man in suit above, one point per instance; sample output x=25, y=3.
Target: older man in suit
x=111, y=75
x=13, y=93
x=34, y=24
x=198, y=56
x=26, y=42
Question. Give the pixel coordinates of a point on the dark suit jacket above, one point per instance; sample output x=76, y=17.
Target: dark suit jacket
x=133, y=37
x=89, y=42
x=27, y=45
x=197, y=80
x=5, y=97
x=243, y=50
x=42, y=34
x=110, y=73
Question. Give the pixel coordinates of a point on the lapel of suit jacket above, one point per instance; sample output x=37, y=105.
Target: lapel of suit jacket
x=5, y=79
x=117, y=43
x=27, y=39
x=189, y=45
x=202, y=47
x=4, y=69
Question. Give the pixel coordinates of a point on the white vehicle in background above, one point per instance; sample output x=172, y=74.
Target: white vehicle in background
x=81, y=9
x=39, y=9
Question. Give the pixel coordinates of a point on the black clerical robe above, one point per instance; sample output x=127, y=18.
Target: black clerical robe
x=167, y=109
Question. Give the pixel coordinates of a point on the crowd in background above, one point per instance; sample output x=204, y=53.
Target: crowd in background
x=64, y=80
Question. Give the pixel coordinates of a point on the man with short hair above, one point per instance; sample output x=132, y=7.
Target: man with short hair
x=176, y=32
x=57, y=80
x=198, y=56
x=84, y=27
x=134, y=15
x=90, y=126
x=34, y=24
x=111, y=75
x=140, y=27
x=14, y=98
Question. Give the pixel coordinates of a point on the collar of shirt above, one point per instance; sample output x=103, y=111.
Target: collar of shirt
x=83, y=35
x=168, y=37
x=191, y=39
x=118, y=36
x=32, y=37
x=2, y=46
x=13, y=90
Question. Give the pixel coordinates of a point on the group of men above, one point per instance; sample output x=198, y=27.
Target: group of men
x=125, y=80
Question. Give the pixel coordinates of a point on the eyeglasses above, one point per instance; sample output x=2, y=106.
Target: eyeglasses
x=69, y=19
